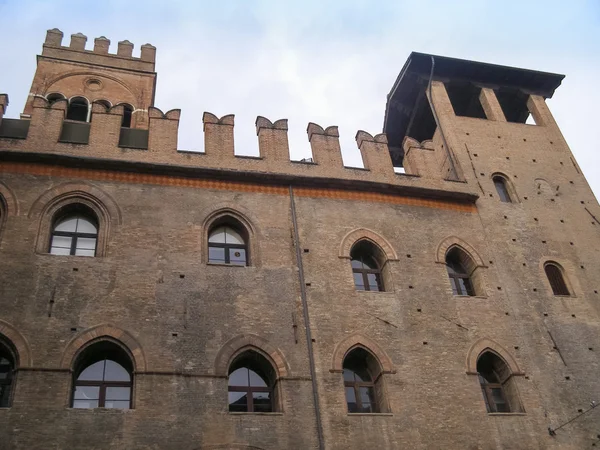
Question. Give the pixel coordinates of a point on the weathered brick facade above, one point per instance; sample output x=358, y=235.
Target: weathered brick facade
x=183, y=320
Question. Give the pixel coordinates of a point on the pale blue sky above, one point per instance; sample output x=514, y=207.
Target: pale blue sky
x=329, y=62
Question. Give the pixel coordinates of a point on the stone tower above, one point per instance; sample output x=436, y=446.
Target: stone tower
x=446, y=295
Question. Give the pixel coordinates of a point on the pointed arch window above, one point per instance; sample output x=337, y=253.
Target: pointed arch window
x=363, y=382
x=496, y=384
x=74, y=232
x=251, y=384
x=54, y=97
x=7, y=367
x=459, y=267
x=556, y=279
x=366, y=267
x=228, y=244
x=502, y=189
x=78, y=110
x=103, y=378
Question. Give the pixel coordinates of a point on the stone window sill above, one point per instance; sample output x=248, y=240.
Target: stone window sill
x=224, y=265
x=255, y=413
x=102, y=410
x=370, y=414
x=507, y=414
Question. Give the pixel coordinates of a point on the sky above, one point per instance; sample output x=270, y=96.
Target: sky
x=328, y=62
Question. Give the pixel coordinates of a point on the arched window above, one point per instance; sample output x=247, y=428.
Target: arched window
x=494, y=376
x=7, y=367
x=362, y=382
x=556, y=279
x=74, y=232
x=127, y=112
x=55, y=96
x=251, y=383
x=78, y=109
x=103, y=377
x=460, y=267
x=366, y=267
x=104, y=103
x=228, y=244
x=502, y=189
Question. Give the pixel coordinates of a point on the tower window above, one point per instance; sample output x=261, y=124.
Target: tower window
x=457, y=264
x=556, y=279
x=78, y=110
x=104, y=378
x=227, y=245
x=501, y=188
x=494, y=375
x=366, y=268
x=7, y=367
x=251, y=384
x=361, y=370
x=74, y=234
x=127, y=112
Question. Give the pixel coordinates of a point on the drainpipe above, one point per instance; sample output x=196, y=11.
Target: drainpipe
x=437, y=121
x=311, y=356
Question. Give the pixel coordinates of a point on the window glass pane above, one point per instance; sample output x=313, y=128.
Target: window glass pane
x=359, y=282
x=217, y=236
x=85, y=403
x=117, y=404
x=466, y=286
x=501, y=188
x=115, y=372
x=369, y=262
x=348, y=375
x=85, y=226
x=454, y=284
x=4, y=395
x=261, y=401
x=366, y=398
x=239, y=377
x=80, y=252
x=93, y=372
x=87, y=393
x=237, y=256
x=118, y=393
x=351, y=400
x=498, y=396
x=62, y=241
x=256, y=380
x=60, y=251
x=216, y=255
x=238, y=402
x=69, y=224
x=86, y=243
x=233, y=237
x=373, y=281
x=356, y=264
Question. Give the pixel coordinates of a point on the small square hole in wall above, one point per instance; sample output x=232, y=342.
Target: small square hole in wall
x=410, y=287
x=524, y=140
x=508, y=157
x=181, y=275
x=424, y=342
x=516, y=176
x=475, y=155
x=534, y=289
x=545, y=314
x=491, y=195
x=552, y=200
x=525, y=198
x=595, y=291
x=505, y=217
x=74, y=329
x=514, y=240
x=551, y=142
x=408, y=256
x=580, y=410
x=499, y=288
x=562, y=221
x=491, y=262
x=591, y=349
x=570, y=243
x=306, y=250
x=418, y=309
x=482, y=174
x=308, y=284
x=516, y=347
x=524, y=264
x=543, y=242
x=572, y=315
x=571, y=182
x=567, y=378
x=535, y=218
x=582, y=202
x=498, y=137
x=561, y=163
x=527, y=377
x=467, y=134
x=75, y=269
x=534, y=160
x=174, y=334
x=506, y=314
x=582, y=267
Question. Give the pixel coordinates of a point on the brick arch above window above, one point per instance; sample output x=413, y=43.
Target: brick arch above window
x=104, y=332
x=19, y=343
x=244, y=342
x=359, y=234
x=47, y=205
x=453, y=241
x=9, y=206
x=487, y=345
x=358, y=340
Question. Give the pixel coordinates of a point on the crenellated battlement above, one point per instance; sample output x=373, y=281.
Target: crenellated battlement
x=49, y=131
x=53, y=47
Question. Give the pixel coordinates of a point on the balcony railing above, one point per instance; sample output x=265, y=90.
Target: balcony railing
x=75, y=132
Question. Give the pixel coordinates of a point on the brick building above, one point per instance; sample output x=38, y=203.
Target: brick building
x=162, y=299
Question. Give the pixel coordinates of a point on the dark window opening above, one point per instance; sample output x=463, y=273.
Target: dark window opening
x=251, y=384
x=74, y=232
x=227, y=244
x=366, y=268
x=458, y=264
x=359, y=382
x=556, y=279
x=127, y=112
x=7, y=367
x=514, y=105
x=78, y=109
x=54, y=97
x=493, y=378
x=501, y=188
x=103, y=378
x=104, y=103
x=465, y=101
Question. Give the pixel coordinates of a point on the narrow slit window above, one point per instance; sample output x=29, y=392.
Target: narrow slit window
x=502, y=189
x=556, y=279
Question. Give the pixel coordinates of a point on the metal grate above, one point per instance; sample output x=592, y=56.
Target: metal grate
x=133, y=138
x=14, y=128
x=75, y=132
